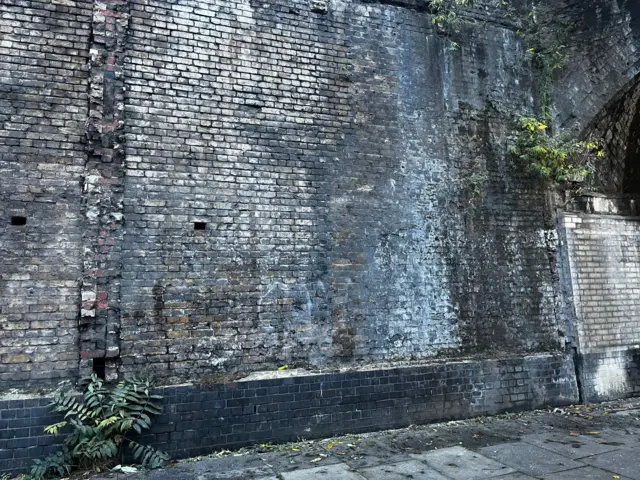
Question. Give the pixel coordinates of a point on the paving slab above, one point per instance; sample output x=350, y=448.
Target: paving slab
x=584, y=473
x=529, y=459
x=516, y=476
x=412, y=469
x=372, y=453
x=338, y=471
x=460, y=463
x=232, y=469
x=627, y=438
x=622, y=462
x=570, y=446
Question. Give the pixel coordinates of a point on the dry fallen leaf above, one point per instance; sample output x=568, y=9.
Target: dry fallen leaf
x=317, y=459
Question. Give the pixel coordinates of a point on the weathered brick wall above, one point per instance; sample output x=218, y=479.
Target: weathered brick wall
x=598, y=94
x=199, y=419
x=219, y=186
x=605, y=269
x=326, y=157
x=234, y=112
x=99, y=319
x=590, y=80
x=303, y=184
x=43, y=111
x=617, y=129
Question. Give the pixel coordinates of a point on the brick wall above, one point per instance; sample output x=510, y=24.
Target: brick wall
x=293, y=190
x=605, y=268
x=213, y=187
x=617, y=129
x=234, y=110
x=22, y=437
x=589, y=82
x=199, y=419
x=43, y=112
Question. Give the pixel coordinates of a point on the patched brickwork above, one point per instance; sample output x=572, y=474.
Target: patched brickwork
x=103, y=190
x=43, y=113
x=605, y=271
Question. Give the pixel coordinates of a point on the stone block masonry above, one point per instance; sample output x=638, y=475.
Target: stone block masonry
x=199, y=419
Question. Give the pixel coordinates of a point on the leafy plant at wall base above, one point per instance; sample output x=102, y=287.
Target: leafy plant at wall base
x=99, y=427
x=553, y=157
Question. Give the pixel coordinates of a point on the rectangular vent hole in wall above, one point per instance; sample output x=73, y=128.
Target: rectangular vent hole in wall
x=18, y=220
x=99, y=367
x=199, y=225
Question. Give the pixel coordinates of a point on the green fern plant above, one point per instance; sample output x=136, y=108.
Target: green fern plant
x=99, y=427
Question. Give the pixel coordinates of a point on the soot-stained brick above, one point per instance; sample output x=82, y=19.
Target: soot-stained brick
x=350, y=170
x=43, y=113
x=325, y=154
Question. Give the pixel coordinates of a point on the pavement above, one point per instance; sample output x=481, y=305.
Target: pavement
x=578, y=442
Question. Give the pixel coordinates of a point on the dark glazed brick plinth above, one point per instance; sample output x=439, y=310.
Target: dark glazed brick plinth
x=200, y=419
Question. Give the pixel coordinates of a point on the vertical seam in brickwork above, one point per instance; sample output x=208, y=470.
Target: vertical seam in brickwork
x=565, y=280
x=103, y=188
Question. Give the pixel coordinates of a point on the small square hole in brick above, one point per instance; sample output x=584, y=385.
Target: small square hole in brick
x=20, y=221
x=199, y=225
x=99, y=367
